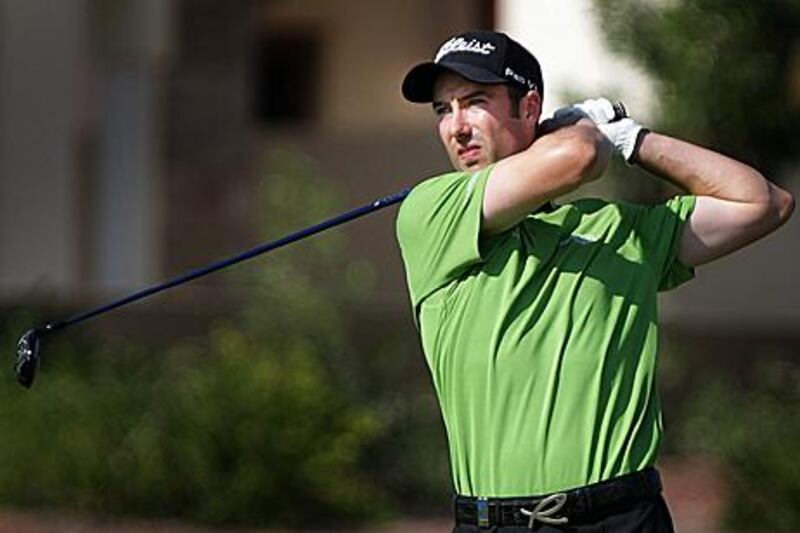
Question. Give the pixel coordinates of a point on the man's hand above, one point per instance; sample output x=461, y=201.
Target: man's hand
x=622, y=131
x=625, y=136
x=598, y=110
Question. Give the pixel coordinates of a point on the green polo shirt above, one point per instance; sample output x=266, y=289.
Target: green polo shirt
x=542, y=340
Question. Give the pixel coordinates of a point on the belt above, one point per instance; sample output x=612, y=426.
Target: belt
x=559, y=507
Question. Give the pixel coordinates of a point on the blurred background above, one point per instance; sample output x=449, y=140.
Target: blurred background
x=143, y=138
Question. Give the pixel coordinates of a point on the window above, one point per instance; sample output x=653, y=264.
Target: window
x=286, y=78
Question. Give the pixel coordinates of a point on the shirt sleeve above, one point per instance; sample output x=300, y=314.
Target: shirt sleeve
x=660, y=227
x=438, y=229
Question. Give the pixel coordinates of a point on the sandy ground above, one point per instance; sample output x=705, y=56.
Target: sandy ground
x=694, y=490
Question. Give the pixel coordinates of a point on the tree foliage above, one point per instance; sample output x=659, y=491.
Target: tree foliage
x=752, y=427
x=727, y=72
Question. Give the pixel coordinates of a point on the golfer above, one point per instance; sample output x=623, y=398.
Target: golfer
x=538, y=320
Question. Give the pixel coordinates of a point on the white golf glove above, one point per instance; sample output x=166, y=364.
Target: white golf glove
x=623, y=133
x=600, y=110
x=625, y=136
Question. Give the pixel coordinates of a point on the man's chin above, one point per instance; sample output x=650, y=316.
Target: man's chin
x=471, y=165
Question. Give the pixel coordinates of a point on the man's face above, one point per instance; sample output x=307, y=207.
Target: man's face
x=476, y=123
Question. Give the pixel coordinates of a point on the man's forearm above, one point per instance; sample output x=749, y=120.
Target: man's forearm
x=736, y=205
x=700, y=171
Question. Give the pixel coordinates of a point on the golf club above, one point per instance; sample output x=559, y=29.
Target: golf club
x=26, y=361
x=27, y=356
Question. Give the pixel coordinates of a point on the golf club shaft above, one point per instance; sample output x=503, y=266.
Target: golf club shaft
x=258, y=250
x=619, y=110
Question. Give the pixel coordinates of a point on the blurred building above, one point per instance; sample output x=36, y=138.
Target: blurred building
x=133, y=134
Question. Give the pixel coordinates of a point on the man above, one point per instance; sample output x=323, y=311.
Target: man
x=539, y=321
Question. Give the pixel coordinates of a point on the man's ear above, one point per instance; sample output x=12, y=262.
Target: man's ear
x=531, y=107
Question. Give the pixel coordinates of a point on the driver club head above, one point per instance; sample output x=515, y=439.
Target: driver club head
x=26, y=361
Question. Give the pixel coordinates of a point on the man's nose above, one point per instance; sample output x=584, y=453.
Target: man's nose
x=459, y=127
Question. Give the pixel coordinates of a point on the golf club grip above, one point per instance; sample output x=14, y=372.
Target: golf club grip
x=619, y=111
x=238, y=258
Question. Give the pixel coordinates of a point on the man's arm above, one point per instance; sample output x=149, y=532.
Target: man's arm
x=554, y=164
x=735, y=205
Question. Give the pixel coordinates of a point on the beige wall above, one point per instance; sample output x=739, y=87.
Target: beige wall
x=368, y=46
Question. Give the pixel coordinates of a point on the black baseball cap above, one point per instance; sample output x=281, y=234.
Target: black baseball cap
x=480, y=56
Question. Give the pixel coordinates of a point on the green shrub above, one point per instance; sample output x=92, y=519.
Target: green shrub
x=752, y=426
x=239, y=432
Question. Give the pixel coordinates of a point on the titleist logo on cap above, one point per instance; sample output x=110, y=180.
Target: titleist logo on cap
x=459, y=44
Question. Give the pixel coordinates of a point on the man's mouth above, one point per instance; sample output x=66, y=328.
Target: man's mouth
x=468, y=153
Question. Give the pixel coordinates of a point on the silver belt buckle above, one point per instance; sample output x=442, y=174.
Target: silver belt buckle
x=544, y=514
x=483, y=512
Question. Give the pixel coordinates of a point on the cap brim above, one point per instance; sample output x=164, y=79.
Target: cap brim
x=418, y=83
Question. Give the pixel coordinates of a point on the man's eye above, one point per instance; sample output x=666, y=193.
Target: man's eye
x=440, y=110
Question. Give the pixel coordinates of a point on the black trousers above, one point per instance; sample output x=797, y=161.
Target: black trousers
x=651, y=516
